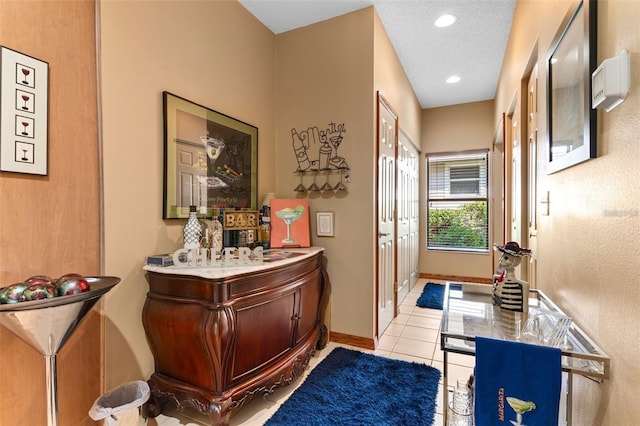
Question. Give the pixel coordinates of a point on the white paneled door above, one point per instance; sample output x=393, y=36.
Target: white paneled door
x=386, y=251
x=407, y=215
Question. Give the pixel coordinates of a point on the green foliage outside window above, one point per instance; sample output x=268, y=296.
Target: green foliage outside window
x=464, y=227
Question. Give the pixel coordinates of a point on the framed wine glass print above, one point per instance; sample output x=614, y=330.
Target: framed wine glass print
x=571, y=60
x=24, y=92
x=210, y=159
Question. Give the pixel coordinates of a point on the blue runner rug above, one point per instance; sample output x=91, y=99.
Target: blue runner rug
x=432, y=296
x=350, y=388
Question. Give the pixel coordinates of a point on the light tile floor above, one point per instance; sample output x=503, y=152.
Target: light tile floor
x=412, y=336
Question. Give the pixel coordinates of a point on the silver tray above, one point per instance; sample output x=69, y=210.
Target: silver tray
x=99, y=286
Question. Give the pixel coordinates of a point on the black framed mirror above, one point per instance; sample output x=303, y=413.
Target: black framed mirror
x=570, y=62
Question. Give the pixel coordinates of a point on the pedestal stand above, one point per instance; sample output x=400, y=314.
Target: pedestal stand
x=47, y=324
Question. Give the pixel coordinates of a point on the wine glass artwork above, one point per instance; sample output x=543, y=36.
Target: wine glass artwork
x=24, y=93
x=300, y=187
x=335, y=142
x=289, y=215
x=212, y=146
x=326, y=186
x=314, y=186
x=340, y=186
x=26, y=73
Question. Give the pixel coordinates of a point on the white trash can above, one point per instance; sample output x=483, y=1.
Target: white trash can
x=122, y=406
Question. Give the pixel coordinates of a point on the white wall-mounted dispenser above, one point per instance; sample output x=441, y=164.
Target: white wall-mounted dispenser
x=610, y=82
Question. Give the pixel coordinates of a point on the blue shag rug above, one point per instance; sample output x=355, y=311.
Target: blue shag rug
x=352, y=388
x=432, y=296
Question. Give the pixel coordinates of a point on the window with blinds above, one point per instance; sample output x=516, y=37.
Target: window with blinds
x=458, y=201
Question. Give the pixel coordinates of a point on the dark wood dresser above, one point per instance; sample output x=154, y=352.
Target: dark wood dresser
x=219, y=336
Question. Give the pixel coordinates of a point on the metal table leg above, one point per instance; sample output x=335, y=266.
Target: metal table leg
x=569, y=397
x=445, y=389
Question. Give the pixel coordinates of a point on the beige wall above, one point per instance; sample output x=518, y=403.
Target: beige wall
x=331, y=72
x=324, y=75
x=213, y=53
x=50, y=224
x=588, y=252
x=327, y=85
x=234, y=72
x=218, y=55
x=450, y=129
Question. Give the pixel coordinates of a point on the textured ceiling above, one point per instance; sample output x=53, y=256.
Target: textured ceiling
x=472, y=48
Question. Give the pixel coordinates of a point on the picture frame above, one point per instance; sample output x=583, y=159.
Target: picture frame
x=210, y=159
x=290, y=223
x=570, y=62
x=324, y=224
x=24, y=113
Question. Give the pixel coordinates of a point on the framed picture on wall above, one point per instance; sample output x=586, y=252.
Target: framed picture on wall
x=290, y=222
x=210, y=159
x=24, y=93
x=324, y=224
x=571, y=60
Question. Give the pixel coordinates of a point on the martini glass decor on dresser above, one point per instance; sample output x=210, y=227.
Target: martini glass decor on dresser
x=289, y=215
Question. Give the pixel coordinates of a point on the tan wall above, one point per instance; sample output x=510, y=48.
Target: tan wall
x=217, y=54
x=321, y=78
x=213, y=53
x=330, y=72
x=50, y=224
x=588, y=246
x=450, y=129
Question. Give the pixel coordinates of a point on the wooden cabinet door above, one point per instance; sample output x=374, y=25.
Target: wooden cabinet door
x=309, y=295
x=264, y=331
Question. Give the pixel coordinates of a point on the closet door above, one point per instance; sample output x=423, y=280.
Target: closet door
x=386, y=249
x=407, y=236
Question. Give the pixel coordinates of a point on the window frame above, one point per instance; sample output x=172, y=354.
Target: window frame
x=443, y=193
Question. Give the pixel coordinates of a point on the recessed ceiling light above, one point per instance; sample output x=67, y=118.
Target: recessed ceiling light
x=453, y=79
x=445, y=21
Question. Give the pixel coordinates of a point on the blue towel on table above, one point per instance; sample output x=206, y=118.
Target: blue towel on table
x=516, y=383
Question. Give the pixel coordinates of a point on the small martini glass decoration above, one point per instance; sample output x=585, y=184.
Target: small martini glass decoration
x=289, y=215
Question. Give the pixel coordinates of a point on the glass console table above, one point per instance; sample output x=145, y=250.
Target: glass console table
x=468, y=312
